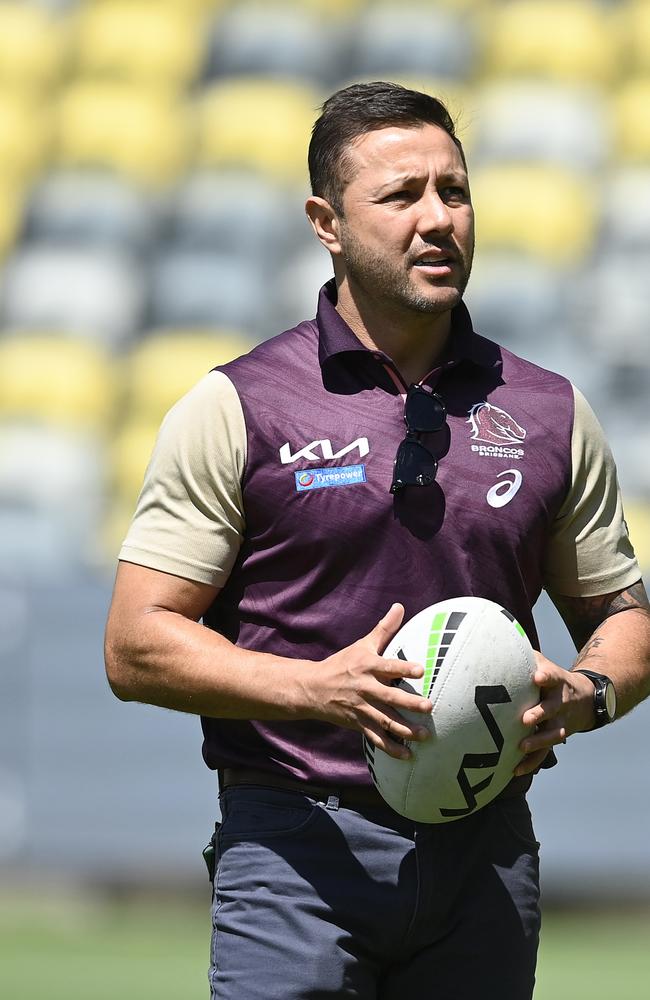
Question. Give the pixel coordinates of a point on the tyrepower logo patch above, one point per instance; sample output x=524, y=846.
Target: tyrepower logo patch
x=499, y=434
x=317, y=479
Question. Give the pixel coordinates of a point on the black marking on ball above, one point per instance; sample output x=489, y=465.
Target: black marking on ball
x=484, y=696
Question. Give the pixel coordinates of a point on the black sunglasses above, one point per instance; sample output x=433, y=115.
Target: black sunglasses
x=415, y=465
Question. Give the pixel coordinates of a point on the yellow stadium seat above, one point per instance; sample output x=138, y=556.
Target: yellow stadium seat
x=470, y=6
x=12, y=202
x=129, y=454
x=210, y=7
x=55, y=380
x=263, y=124
x=140, y=41
x=631, y=106
x=164, y=366
x=330, y=8
x=25, y=134
x=336, y=8
x=161, y=369
x=637, y=515
x=134, y=131
x=636, y=21
x=564, y=39
x=118, y=516
x=33, y=46
x=547, y=212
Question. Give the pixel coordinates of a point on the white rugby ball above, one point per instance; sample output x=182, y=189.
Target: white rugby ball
x=478, y=673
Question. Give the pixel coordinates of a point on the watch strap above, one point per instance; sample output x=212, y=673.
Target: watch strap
x=601, y=683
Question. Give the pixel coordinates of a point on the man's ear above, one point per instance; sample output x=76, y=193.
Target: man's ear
x=325, y=223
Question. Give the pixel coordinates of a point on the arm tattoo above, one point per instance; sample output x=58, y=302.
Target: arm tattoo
x=583, y=615
x=590, y=649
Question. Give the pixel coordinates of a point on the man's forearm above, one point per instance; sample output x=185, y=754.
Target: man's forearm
x=162, y=658
x=613, y=635
x=619, y=649
x=157, y=652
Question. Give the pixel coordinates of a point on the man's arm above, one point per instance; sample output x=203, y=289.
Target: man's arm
x=157, y=652
x=612, y=634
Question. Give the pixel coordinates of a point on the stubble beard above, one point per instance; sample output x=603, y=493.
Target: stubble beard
x=384, y=283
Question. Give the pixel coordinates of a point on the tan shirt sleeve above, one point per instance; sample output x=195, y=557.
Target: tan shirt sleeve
x=189, y=520
x=590, y=552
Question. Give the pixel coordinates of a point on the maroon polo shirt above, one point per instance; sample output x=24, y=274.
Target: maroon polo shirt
x=328, y=548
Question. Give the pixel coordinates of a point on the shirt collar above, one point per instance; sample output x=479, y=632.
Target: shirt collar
x=335, y=336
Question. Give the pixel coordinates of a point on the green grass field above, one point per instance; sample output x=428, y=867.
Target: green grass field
x=85, y=948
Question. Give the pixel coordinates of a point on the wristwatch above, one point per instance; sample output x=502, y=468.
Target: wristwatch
x=604, y=697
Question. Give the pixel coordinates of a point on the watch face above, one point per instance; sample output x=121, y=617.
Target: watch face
x=610, y=700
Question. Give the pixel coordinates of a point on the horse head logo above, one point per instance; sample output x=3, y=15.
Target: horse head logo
x=494, y=426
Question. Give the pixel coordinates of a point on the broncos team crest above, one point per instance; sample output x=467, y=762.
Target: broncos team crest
x=497, y=431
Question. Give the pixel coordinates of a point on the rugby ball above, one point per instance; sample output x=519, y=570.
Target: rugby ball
x=478, y=674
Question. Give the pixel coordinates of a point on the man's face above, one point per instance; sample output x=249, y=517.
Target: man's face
x=407, y=229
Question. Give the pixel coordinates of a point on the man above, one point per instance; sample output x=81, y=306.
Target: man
x=288, y=506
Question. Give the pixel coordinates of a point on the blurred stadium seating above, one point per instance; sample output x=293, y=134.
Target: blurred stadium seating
x=257, y=123
x=152, y=44
x=90, y=210
x=25, y=133
x=152, y=172
x=395, y=39
x=72, y=290
x=138, y=131
x=541, y=122
x=276, y=39
x=152, y=178
x=566, y=40
x=34, y=45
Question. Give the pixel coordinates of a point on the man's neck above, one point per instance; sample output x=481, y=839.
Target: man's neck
x=414, y=341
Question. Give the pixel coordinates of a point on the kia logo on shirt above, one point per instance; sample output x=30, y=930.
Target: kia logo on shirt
x=309, y=454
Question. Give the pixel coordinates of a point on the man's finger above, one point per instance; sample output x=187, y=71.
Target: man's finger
x=395, y=669
x=534, y=716
x=531, y=762
x=545, y=738
x=386, y=628
x=383, y=742
x=392, y=744
x=400, y=699
x=389, y=723
x=544, y=678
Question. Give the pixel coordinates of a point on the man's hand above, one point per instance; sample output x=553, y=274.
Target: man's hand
x=566, y=706
x=355, y=688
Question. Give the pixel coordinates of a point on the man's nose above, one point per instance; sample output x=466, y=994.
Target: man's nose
x=435, y=216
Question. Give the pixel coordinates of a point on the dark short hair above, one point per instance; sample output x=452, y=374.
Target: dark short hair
x=356, y=110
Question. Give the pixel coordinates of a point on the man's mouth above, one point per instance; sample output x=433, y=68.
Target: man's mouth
x=435, y=263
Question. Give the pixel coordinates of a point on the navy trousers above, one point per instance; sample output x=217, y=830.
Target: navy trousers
x=312, y=901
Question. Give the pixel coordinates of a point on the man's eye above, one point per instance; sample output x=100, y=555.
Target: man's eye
x=399, y=196
x=453, y=193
